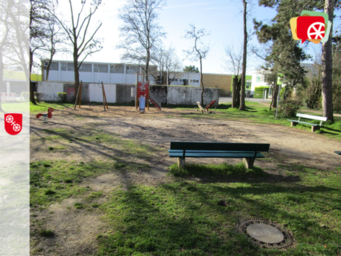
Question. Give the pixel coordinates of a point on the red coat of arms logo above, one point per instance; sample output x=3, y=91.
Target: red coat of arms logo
x=13, y=123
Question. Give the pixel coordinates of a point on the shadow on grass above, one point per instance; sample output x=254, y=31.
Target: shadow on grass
x=228, y=172
x=184, y=218
x=152, y=223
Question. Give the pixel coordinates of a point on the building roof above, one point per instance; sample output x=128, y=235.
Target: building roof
x=105, y=63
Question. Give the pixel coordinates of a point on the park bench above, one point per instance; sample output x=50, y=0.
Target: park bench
x=248, y=151
x=314, y=127
x=338, y=152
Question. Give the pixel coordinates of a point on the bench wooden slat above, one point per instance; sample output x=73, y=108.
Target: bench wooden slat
x=296, y=121
x=320, y=118
x=217, y=146
x=238, y=154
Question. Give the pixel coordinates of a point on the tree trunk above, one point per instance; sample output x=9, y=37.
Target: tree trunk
x=239, y=80
x=274, y=96
x=48, y=66
x=242, y=95
x=75, y=66
x=1, y=78
x=234, y=90
x=147, y=65
x=327, y=62
x=202, y=83
x=32, y=99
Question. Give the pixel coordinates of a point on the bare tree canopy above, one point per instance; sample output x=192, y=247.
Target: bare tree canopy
x=198, y=52
x=233, y=59
x=140, y=31
x=80, y=38
x=169, y=66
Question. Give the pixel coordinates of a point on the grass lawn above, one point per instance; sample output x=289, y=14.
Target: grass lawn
x=258, y=113
x=184, y=217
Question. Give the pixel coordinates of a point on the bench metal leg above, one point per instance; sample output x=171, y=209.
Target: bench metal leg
x=181, y=163
x=293, y=124
x=315, y=128
x=248, y=162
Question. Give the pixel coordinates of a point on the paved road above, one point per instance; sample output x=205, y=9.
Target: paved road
x=229, y=99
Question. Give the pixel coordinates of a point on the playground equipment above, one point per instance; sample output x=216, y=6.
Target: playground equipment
x=79, y=97
x=207, y=107
x=143, y=94
x=49, y=115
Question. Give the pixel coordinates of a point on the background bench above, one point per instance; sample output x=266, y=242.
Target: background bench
x=248, y=151
x=314, y=127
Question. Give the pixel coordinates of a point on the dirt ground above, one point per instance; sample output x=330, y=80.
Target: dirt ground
x=76, y=233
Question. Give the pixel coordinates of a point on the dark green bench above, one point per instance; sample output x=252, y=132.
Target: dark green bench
x=338, y=152
x=248, y=151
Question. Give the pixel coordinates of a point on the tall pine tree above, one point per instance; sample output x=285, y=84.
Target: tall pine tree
x=285, y=55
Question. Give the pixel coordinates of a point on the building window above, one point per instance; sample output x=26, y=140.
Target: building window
x=70, y=67
x=85, y=68
x=132, y=69
x=53, y=66
x=100, y=68
x=63, y=66
x=117, y=68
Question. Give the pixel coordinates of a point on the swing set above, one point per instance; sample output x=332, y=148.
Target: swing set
x=79, y=97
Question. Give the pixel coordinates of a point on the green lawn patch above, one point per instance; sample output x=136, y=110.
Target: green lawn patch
x=187, y=218
x=42, y=107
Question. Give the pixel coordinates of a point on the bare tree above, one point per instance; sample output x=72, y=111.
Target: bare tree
x=55, y=43
x=77, y=32
x=233, y=59
x=4, y=26
x=242, y=95
x=197, y=53
x=140, y=31
x=39, y=20
x=327, y=65
x=169, y=66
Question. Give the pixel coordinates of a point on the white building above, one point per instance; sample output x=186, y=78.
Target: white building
x=96, y=72
x=188, y=78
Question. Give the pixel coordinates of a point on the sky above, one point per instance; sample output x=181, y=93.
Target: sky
x=223, y=19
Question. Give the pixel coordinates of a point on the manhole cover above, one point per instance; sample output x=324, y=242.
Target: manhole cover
x=265, y=233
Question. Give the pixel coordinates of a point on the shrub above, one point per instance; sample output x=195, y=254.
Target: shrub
x=62, y=97
x=313, y=94
x=288, y=108
x=285, y=92
x=25, y=95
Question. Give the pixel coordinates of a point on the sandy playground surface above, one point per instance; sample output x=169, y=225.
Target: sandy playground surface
x=76, y=233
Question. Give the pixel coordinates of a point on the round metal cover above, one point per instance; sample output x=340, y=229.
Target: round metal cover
x=265, y=233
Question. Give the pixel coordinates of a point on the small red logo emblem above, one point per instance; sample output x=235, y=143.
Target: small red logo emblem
x=13, y=123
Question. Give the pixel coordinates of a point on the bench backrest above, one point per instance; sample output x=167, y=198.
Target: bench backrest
x=219, y=146
x=320, y=118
